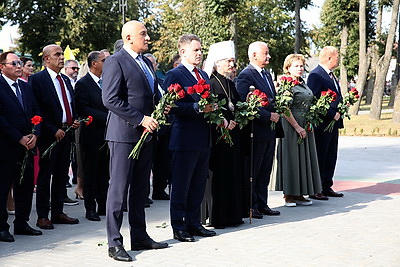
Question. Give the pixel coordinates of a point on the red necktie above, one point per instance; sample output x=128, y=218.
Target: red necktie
x=65, y=100
x=196, y=71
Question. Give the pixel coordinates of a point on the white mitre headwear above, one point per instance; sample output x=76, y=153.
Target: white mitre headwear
x=219, y=51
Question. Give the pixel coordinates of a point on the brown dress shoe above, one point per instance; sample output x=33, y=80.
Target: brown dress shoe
x=331, y=193
x=44, y=223
x=62, y=218
x=319, y=196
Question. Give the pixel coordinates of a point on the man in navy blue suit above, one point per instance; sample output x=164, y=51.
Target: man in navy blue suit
x=17, y=107
x=95, y=154
x=321, y=79
x=264, y=135
x=190, y=144
x=130, y=94
x=54, y=95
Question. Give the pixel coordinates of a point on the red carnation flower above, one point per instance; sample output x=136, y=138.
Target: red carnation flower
x=198, y=88
x=256, y=92
x=36, y=120
x=201, y=81
x=205, y=94
x=89, y=120
x=181, y=94
x=191, y=90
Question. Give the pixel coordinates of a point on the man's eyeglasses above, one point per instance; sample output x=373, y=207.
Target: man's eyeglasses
x=14, y=63
x=75, y=68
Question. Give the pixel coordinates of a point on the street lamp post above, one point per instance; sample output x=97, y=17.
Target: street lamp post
x=123, y=7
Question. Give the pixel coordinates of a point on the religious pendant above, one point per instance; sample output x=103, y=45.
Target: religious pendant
x=231, y=106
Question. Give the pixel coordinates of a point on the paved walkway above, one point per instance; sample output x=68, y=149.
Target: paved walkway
x=361, y=229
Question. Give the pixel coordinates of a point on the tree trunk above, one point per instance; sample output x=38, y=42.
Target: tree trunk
x=297, y=26
x=362, y=54
x=396, y=106
x=343, y=48
x=383, y=66
x=375, y=56
x=233, y=28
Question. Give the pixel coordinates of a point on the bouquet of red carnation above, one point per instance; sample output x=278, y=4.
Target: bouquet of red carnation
x=319, y=108
x=215, y=116
x=175, y=92
x=284, y=96
x=248, y=111
x=349, y=99
x=36, y=120
x=88, y=120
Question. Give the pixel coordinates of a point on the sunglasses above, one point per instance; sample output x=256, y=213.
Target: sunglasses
x=75, y=68
x=14, y=63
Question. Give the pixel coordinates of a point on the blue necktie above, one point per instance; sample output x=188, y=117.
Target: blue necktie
x=18, y=93
x=146, y=71
x=100, y=82
x=264, y=75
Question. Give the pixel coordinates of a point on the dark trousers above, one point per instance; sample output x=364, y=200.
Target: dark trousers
x=53, y=169
x=161, y=165
x=189, y=176
x=327, y=149
x=96, y=173
x=10, y=174
x=263, y=159
x=127, y=176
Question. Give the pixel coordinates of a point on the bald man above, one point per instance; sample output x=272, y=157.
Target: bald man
x=130, y=94
x=55, y=98
x=321, y=79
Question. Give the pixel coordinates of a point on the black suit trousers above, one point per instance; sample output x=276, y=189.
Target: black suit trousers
x=127, y=176
x=23, y=192
x=327, y=150
x=262, y=163
x=96, y=175
x=51, y=179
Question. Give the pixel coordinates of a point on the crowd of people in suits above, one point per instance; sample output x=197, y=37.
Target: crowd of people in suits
x=210, y=181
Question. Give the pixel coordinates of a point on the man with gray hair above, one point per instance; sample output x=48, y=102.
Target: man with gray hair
x=264, y=134
x=321, y=79
x=71, y=68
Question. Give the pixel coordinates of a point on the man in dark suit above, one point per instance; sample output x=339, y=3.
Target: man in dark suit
x=91, y=137
x=190, y=144
x=264, y=135
x=321, y=79
x=17, y=107
x=130, y=94
x=54, y=95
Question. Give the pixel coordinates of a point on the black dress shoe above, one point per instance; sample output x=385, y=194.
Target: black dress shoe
x=183, y=236
x=5, y=236
x=201, y=231
x=256, y=214
x=91, y=215
x=148, y=244
x=119, y=253
x=331, y=193
x=161, y=196
x=319, y=196
x=26, y=230
x=267, y=211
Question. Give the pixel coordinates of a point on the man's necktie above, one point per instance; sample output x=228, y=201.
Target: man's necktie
x=100, y=82
x=196, y=71
x=18, y=93
x=264, y=75
x=149, y=76
x=65, y=100
x=334, y=80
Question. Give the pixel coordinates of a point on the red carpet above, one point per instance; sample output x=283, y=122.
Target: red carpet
x=367, y=187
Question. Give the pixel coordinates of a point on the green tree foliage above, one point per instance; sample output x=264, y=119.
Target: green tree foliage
x=87, y=25
x=334, y=16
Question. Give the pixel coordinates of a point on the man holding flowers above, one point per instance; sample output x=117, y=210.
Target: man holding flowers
x=190, y=142
x=322, y=79
x=130, y=93
x=17, y=107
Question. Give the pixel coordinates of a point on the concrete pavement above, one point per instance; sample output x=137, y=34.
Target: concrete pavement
x=361, y=229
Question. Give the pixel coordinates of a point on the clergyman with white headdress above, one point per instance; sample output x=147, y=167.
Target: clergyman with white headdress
x=225, y=164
